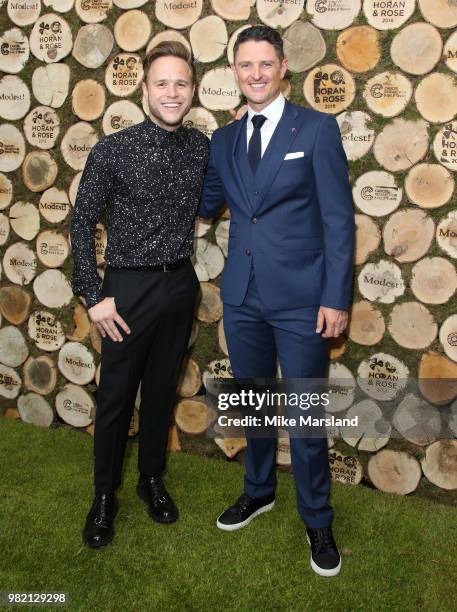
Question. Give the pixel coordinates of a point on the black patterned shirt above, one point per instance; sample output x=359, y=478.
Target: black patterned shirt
x=149, y=181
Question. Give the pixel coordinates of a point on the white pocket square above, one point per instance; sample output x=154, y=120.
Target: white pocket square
x=294, y=155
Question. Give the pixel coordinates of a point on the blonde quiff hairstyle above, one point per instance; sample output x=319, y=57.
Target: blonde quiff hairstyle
x=169, y=48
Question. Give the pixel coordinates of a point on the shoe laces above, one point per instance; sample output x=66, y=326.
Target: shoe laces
x=157, y=489
x=322, y=539
x=102, y=511
x=241, y=503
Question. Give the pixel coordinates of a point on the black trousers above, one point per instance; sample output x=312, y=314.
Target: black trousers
x=158, y=307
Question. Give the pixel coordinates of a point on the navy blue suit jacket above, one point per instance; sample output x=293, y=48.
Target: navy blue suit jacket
x=294, y=219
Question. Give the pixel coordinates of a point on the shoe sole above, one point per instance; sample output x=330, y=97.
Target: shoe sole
x=320, y=570
x=246, y=522
x=154, y=518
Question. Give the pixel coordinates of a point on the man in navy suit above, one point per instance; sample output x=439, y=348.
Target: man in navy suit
x=287, y=282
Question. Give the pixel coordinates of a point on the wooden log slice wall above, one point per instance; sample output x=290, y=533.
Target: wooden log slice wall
x=70, y=73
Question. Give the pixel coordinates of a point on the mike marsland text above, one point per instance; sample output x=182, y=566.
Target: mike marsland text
x=283, y=421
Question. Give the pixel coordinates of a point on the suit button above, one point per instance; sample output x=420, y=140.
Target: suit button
x=248, y=251
x=254, y=220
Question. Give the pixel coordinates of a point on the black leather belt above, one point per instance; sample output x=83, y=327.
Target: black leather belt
x=165, y=267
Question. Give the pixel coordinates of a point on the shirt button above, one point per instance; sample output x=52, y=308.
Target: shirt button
x=254, y=220
x=256, y=193
x=248, y=251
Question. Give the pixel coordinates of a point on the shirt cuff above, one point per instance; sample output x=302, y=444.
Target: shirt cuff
x=93, y=296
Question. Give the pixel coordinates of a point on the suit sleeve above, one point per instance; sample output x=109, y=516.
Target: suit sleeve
x=213, y=197
x=335, y=202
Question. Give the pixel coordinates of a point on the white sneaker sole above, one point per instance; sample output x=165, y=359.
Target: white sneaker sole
x=236, y=526
x=320, y=570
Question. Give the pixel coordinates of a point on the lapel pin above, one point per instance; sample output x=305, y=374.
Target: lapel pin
x=293, y=130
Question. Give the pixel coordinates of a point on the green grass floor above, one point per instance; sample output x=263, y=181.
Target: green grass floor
x=398, y=553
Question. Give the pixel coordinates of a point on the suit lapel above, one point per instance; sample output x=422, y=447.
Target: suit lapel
x=239, y=135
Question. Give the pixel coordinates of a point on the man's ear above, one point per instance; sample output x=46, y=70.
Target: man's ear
x=145, y=90
x=284, y=67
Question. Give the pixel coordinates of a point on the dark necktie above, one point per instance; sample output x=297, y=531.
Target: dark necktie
x=255, y=144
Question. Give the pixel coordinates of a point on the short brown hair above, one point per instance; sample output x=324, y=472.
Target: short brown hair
x=168, y=48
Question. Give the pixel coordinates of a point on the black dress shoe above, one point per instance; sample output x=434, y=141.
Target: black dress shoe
x=99, y=528
x=159, y=503
x=325, y=558
x=244, y=510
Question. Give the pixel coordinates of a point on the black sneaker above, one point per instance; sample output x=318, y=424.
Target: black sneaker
x=325, y=558
x=244, y=510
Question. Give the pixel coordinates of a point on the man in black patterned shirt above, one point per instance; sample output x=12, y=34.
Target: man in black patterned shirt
x=148, y=178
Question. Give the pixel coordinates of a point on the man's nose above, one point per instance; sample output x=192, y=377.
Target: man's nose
x=172, y=91
x=256, y=72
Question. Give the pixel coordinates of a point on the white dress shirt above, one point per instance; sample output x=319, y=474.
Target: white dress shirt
x=273, y=113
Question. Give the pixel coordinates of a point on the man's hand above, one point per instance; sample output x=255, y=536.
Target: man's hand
x=105, y=315
x=335, y=321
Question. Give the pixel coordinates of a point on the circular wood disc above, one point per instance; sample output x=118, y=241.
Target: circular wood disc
x=19, y=263
x=376, y=193
x=221, y=337
x=232, y=10
x=168, y=35
x=345, y=468
x=216, y=370
x=388, y=14
x=333, y=15
x=88, y=100
x=231, y=446
x=367, y=238
x=15, y=51
x=408, y=235
x=209, y=260
x=401, y=144
x=129, y=4
x=52, y=289
x=76, y=363
x=46, y=331
x=35, y=409
x=12, y=148
x=10, y=382
x=6, y=191
x=13, y=348
x=124, y=74
x=132, y=30
x=283, y=456
x=452, y=418
x=436, y=98
x=209, y=308
x=218, y=90
x=382, y=376
x=77, y=143
x=4, y=229
x=61, y=6
x=73, y=190
x=75, y=406
x=412, y=326
x=209, y=38
x=342, y=388
x=93, y=44
x=81, y=324
x=388, y=93
x=279, y=14
x=15, y=304
x=14, y=98
x=381, y=282
x=232, y=42
x=358, y=48
x=440, y=464
x=120, y=115
x=178, y=14
x=437, y=378
x=304, y=46
x=54, y=205
x=366, y=325
x=448, y=337
x=441, y=13
x=329, y=88
x=446, y=234
x=25, y=220
x=95, y=338
x=434, y=280
x=416, y=420
x=190, y=380
x=201, y=119
x=429, y=185
x=222, y=235
x=23, y=13
x=394, y=471
x=42, y=127
x=40, y=374
x=52, y=248
x=417, y=48
x=93, y=11
x=450, y=52
x=445, y=145
x=39, y=170
x=101, y=240
x=50, y=84
x=191, y=416
x=51, y=39
x=372, y=431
